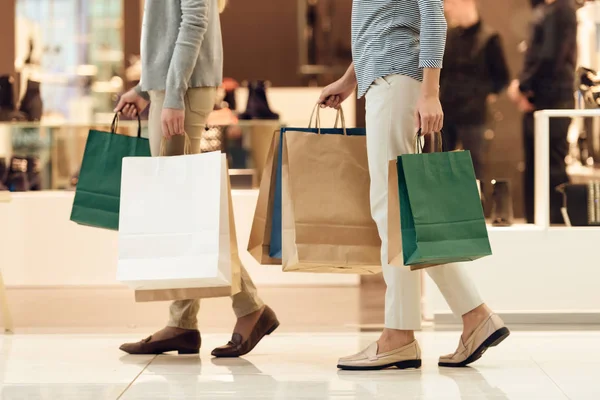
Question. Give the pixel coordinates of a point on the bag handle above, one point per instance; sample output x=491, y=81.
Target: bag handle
x=419, y=143
x=187, y=147
x=115, y=124
x=317, y=118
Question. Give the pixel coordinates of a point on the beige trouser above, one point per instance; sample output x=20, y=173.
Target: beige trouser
x=199, y=103
x=391, y=103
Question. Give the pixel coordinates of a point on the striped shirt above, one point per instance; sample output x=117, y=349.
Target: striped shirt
x=396, y=37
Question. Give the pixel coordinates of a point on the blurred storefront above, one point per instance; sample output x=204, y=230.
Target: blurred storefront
x=82, y=54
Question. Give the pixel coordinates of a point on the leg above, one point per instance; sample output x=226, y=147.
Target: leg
x=199, y=103
x=529, y=175
x=4, y=310
x=559, y=149
x=254, y=319
x=473, y=139
x=183, y=313
x=403, y=289
x=390, y=132
x=181, y=332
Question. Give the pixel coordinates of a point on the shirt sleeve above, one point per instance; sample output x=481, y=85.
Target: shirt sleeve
x=194, y=23
x=433, y=33
x=497, y=66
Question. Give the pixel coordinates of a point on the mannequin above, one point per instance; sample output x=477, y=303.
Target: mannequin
x=28, y=53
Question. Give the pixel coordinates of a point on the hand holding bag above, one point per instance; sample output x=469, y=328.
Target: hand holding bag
x=98, y=190
x=441, y=214
x=326, y=214
x=177, y=238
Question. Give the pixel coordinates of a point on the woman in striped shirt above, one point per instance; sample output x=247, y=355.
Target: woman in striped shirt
x=397, y=48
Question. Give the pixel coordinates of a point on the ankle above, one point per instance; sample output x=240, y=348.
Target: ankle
x=397, y=336
x=477, y=314
x=253, y=314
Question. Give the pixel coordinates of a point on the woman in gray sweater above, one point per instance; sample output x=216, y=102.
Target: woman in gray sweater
x=182, y=66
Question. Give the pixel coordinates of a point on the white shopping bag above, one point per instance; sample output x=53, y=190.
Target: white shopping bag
x=176, y=229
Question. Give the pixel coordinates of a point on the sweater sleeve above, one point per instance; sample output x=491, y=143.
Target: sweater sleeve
x=138, y=89
x=433, y=33
x=194, y=23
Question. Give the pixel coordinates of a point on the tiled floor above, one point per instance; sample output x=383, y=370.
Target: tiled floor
x=528, y=366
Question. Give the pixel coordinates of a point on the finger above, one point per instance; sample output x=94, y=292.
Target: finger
x=172, y=128
x=442, y=122
x=330, y=101
x=417, y=118
x=323, y=97
x=335, y=100
x=165, y=129
x=432, y=122
x=132, y=110
x=438, y=123
x=424, y=126
x=126, y=110
x=429, y=123
x=120, y=105
x=180, y=126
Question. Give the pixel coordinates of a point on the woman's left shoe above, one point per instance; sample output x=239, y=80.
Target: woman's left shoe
x=491, y=332
x=237, y=347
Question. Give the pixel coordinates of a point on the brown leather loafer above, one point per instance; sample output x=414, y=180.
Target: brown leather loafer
x=236, y=347
x=184, y=343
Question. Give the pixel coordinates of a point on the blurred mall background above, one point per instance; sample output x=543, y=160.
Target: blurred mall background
x=63, y=66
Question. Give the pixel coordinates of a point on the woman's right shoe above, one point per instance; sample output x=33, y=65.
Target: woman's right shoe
x=187, y=342
x=491, y=332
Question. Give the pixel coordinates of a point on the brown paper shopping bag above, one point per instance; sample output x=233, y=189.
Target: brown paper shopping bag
x=260, y=234
x=327, y=224
x=236, y=264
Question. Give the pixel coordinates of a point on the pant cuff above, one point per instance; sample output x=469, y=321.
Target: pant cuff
x=192, y=325
x=249, y=307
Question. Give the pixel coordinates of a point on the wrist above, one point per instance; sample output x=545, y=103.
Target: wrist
x=350, y=78
x=430, y=93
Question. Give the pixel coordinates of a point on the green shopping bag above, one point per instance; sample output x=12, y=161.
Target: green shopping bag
x=97, y=196
x=441, y=215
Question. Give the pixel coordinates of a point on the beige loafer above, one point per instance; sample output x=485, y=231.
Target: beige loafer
x=491, y=332
x=405, y=357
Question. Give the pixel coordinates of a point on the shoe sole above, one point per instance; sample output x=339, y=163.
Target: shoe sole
x=184, y=352
x=400, y=365
x=494, y=340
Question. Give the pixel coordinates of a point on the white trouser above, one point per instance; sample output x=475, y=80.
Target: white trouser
x=391, y=103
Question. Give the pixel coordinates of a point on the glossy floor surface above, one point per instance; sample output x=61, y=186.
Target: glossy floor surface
x=528, y=365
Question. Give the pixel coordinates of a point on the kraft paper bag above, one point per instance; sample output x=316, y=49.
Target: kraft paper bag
x=260, y=235
x=96, y=200
x=177, y=234
x=326, y=224
x=441, y=215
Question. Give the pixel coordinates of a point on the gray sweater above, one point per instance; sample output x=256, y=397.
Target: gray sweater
x=181, y=48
